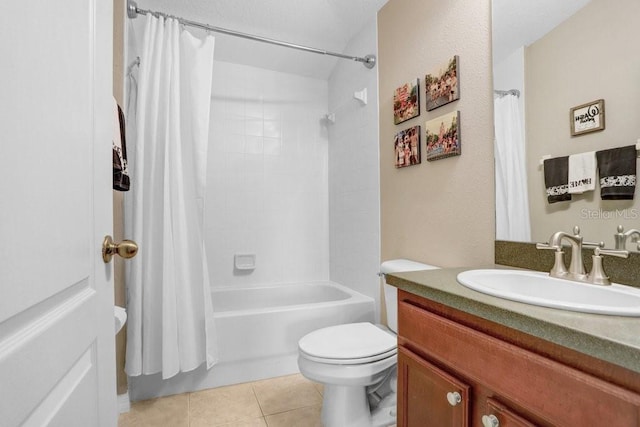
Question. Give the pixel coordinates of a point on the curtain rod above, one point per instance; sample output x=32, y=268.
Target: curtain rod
x=501, y=93
x=133, y=11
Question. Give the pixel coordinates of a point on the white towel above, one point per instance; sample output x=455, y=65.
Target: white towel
x=582, y=172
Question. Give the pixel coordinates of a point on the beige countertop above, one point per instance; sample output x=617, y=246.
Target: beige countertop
x=615, y=339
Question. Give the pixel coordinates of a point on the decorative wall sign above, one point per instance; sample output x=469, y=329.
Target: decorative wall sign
x=587, y=117
x=443, y=136
x=443, y=85
x=406, y=102
x=407, y=147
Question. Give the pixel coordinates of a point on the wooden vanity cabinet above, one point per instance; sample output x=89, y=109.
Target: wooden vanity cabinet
x=426, y=391
x=499, y=382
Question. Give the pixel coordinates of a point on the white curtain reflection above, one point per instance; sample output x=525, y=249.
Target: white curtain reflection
x=512, y=201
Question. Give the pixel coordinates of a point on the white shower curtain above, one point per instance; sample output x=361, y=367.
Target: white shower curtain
x=512, y=200
x=170, y=325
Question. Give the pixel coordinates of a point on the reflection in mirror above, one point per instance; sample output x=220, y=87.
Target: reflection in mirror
x=559, y=55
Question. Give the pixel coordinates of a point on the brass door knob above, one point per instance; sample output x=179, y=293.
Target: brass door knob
x=126, y=249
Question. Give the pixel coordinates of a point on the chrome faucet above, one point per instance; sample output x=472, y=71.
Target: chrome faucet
x=621, y=237
x=576, y=270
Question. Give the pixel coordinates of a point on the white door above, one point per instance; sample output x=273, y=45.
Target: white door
x=56, y=295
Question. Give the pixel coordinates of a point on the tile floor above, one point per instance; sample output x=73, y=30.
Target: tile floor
x=290, y=401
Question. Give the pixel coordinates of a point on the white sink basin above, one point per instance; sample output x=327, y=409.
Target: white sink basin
x=120, y=315
x=539, y=289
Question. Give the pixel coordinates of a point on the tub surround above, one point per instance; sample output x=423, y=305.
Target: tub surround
x=354, y=186
x=593, y=343
x=525, y=255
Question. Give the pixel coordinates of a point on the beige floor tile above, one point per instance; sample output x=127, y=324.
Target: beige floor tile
x=224, y=405
x=319, y=387
x=307, y=417
x=165, y=411
x=285, y=394
x=258, y=422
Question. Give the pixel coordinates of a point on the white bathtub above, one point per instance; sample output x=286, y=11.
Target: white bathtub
x=258, y=332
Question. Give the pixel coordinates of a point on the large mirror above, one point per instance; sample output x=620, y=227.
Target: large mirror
x=556, y=55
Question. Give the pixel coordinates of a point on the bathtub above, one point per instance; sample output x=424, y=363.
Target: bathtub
x=258, y=332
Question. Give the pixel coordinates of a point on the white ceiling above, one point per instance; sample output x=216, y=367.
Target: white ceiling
x=331, y=24
x=519, y=23
x=323, y=24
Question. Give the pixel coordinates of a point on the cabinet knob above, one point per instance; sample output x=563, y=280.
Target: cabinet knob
x=453, y=397
x=490, y=421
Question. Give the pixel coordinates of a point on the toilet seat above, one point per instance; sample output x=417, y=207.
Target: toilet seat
x=348, y=344
x=359, y=361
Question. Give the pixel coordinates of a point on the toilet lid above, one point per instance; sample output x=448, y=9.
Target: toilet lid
x=348, y=344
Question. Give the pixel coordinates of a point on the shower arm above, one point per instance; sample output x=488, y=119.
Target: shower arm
x=133, y=11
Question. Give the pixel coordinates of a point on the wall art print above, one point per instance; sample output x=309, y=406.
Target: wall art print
x=406, y=102
x=443, y=136
x=442, y=86
x=407, y=147
x=587, y=117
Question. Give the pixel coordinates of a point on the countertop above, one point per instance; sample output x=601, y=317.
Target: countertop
x=615, y=339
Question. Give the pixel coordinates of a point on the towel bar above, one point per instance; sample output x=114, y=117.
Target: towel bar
x=548, y=156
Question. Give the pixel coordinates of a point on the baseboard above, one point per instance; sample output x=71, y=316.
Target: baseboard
x=124, y=404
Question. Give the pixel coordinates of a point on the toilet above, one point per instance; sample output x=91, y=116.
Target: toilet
x=356, y=363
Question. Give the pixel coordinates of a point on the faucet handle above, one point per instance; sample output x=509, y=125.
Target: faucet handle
x=593, y=244
x=611, y=252
x=547, y=247
x=559, y=268
x=597, y=275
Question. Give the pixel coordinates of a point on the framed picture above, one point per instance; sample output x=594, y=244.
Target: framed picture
x=407, y=147
x=587, y=117
x=406, y=102
x=442, y=86
x=443, y=136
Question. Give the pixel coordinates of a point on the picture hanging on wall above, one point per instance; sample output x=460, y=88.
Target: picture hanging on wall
x=587, y=118
x=406, y=102
x=407, y=147
x=442, y=86
x=443, y=136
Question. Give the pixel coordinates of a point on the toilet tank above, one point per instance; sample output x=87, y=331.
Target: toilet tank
x=391, y=292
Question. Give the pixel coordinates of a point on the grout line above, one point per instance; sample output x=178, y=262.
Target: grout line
x=189, y=409
x=293, y=409
x=255, y=396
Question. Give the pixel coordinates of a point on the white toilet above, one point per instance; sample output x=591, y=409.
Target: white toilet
x=356, y=362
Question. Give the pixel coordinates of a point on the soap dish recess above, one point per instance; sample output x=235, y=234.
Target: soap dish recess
x=245, y=261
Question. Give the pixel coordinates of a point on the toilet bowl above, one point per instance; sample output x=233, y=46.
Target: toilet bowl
x=356, y=363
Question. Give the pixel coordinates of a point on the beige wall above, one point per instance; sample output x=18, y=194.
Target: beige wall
x=118, y=225
x=438, y=212
x=588, y=57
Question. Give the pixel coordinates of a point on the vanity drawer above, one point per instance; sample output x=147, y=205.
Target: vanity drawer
x=556, y=393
